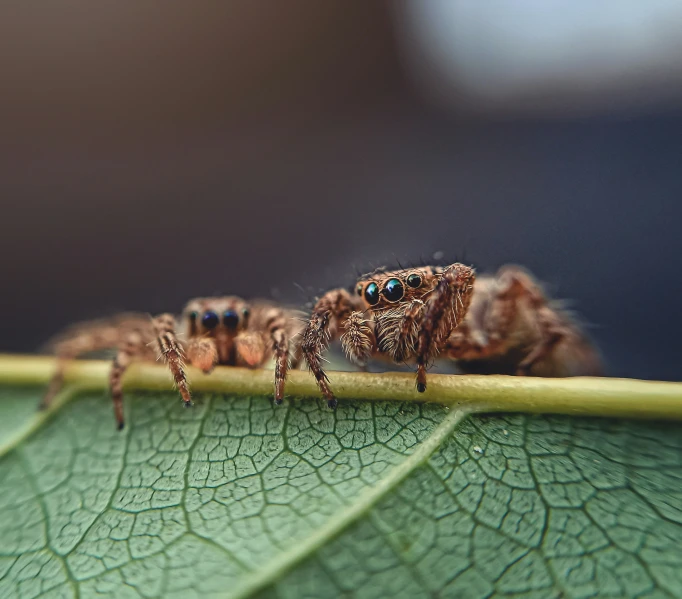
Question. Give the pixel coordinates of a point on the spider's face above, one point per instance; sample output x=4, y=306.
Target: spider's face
x=216, y=315
x=388, y=289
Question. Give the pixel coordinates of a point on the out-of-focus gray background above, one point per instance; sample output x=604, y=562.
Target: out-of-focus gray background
x=150, y=153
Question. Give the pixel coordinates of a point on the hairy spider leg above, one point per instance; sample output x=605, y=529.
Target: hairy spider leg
x=327, y=319
x=86, y=338
x=445, y=309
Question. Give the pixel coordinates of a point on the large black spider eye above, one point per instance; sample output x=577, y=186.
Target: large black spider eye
x=414, y=280
x=393, y=290
x=372, y=294
x=210, y=320
x=230, y=319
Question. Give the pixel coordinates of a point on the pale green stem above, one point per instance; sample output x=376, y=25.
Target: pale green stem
x=579, y=396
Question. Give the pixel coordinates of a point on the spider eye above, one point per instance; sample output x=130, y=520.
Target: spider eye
x=209, y=320
x=358, y=289
x=246, y=312
x=414, y=280
x=393, y=290
x=372, y=294
x=230, y=319
x=193, y=315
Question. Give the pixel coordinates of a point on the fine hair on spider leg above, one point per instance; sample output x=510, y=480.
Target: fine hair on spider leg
x=328, y=317
x=445, y=308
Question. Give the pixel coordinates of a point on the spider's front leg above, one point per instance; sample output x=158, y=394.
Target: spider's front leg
x=444, y=311
x=328, y=317
x=165, y=341
x=172, y=353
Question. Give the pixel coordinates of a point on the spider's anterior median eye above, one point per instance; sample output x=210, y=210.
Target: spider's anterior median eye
x=414, y=280
x=209, y=320
x=372, y=294
x=393, y=290
x=230, y=319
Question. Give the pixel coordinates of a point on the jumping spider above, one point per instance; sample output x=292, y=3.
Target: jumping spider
x=214, y=330
x=500, y=324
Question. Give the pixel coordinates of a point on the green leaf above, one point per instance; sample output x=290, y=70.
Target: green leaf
x=239, y=498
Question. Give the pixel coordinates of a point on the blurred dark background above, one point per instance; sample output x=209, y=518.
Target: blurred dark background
x=151, y=153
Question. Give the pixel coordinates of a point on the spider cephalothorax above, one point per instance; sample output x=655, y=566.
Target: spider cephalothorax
x=213, y=330
x=498, y=324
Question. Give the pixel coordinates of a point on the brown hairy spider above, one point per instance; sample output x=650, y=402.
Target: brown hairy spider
x=213, y=330
x=502, y=324
x=400, y=314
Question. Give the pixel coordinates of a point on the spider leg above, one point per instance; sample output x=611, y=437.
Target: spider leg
x=163, y=338
x=328, y=315
x=134, y=344
x=277, y=323
x=280, y=349
x=172, y=353
x=444, y=311
x=86, y=338
x=269, y=336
